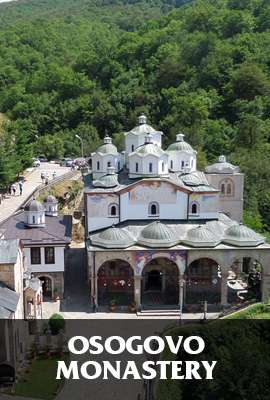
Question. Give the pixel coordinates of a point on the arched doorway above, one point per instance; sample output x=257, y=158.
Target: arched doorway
x=115, y=283
x=245, y=280
x=7, y=374
x=160, y=284
x=203, y=283
x=46, y=286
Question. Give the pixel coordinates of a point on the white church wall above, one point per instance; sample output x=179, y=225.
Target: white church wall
x=98, y=211
x=181, y=161
x=172, y=204
x=132, y=141
x=207, y=206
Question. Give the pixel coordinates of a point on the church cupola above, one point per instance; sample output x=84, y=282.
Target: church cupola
x=142, y=119
x=34, y=214
x=107, y=140
x=136, y=137
x=51, y=206
x=106, y=156
x=148, y=160
x=182, y=157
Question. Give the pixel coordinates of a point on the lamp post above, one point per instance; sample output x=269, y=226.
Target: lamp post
x=78, y=137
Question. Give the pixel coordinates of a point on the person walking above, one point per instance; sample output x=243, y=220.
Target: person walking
x=21, y=187
x=13, y=189
x=54, y=175
x=42, y=177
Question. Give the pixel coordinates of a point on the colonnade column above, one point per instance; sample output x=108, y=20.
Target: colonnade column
x=224, y=287
x=181, y=294
x=137, y=291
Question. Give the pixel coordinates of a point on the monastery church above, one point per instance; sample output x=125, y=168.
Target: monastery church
x=161, y=234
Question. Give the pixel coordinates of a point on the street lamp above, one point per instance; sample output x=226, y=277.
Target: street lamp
x=78, y=137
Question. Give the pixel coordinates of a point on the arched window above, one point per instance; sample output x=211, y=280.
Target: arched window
x=109, y=164
x=118, y=166
x=98, y=165
x=33, y=219
x=132, y=148
x=162, y=166
x=227, y=187
x=171, y=164
x=222, y=188
x=153, y=209
x=194, y=208
x=137, y=167
x=113, y=210
x=182, y=164
x=150, y=167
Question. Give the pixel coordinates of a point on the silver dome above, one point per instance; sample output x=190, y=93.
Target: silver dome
x=201, y=236
x=241, y=235
x=34, y=206
x=113, y=238
x=157, y=234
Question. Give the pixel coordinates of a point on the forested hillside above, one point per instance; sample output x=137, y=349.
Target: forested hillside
x=202, y=69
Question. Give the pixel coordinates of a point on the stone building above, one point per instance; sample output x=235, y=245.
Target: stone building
x=44, y=236
x=162, y=234
x=11, y=279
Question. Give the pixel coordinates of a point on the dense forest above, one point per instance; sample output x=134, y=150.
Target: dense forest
x=83, y=67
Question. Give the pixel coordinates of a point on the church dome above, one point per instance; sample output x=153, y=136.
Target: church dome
x=157, y=234
x=180, y=145
x=113, y=238
x=143, y=128
x=34, y=214
x=50, y=199
x=191, y=180
x=107, y=181
x=241, y=235
x=149, y=148
x=222, y=167
x=107, y=147
x=34, y=206
x=201, y=236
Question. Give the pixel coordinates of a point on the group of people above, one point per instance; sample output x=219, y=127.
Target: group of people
x=45, y=177
x=13, y=188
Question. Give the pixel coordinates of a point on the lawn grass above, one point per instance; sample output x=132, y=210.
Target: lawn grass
x=256, y=311
x=40, y=381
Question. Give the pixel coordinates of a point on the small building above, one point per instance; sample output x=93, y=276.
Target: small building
x=44, y=236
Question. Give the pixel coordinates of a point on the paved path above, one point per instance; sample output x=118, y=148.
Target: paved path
x=9, y=205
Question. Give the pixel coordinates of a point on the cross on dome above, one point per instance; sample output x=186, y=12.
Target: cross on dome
x=222, y=159
x=107, y=139
x=180, y=137
x=142, y=119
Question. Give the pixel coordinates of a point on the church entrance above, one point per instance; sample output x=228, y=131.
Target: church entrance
x=202, y=283
x=46, y=286
x=115, y=284
x=160, y=284
x=154, y=280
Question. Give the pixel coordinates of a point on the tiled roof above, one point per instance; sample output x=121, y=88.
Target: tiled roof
x=56, y=230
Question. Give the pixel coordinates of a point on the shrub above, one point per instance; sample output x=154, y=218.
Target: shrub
x=56, y=323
